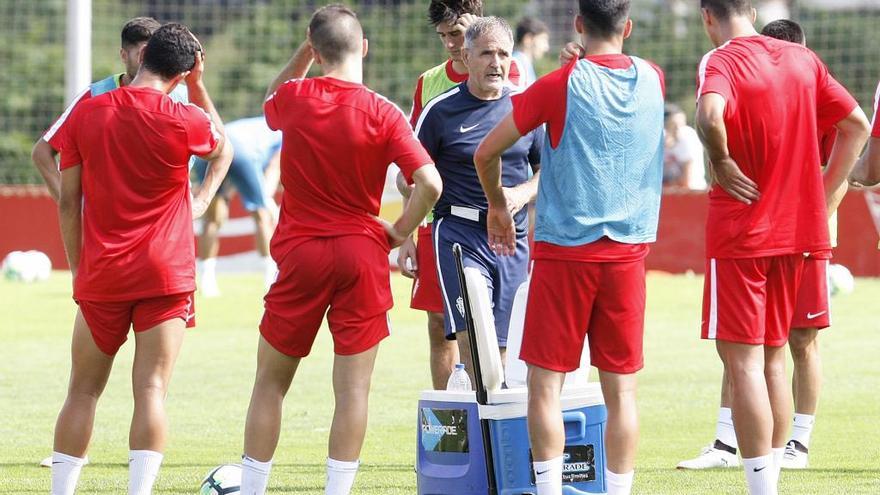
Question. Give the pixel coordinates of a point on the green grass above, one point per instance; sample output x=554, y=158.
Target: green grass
x=212, y=383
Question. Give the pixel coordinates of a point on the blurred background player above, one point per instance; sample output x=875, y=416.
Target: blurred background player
x=532, y=43
x=257, y=151
x=450, y=128
x=135, y=34
x=763, y=153
x=330, y=245
x=598, y=208
x=683, y=165
x=126, y=215
x=812, y=313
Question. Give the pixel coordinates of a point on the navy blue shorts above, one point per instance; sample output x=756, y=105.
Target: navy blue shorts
x=504, y=274
x=247, y=177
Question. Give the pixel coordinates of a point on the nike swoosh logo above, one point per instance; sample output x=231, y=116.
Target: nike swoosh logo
x=464, y=129
x=811, y=316
x=539, y=473
x=758, y=470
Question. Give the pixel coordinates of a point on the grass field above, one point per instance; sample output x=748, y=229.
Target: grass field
x=212, y=383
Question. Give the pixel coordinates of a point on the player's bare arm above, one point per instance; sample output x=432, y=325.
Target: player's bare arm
x=713, y=133
x=487, y=160
x=44, y=158
x=867, y=172
x=70, y=214
x=406, y=255
x=297, y=67
x=852, y=132
x=221, y=157
x=428, y=187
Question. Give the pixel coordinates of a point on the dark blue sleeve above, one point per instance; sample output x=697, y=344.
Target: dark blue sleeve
x=429, y=132
x=537, y=145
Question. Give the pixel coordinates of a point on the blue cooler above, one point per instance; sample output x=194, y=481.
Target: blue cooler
x=451, y=453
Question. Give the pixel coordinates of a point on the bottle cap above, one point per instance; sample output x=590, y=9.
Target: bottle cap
x=459, y=366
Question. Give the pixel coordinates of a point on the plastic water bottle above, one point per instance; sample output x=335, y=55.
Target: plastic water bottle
x=459, y=380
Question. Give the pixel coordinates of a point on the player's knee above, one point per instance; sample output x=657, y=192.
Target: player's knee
x=435, y=323
x=803, y=345
x=352, y=397
x=261, y=216
x=803, y=352
x=151, y=389
x=84, y=393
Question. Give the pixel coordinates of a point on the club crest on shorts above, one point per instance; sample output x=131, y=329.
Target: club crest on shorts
x=459, y=303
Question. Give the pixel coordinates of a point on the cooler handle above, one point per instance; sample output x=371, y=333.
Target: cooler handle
x=578, y=420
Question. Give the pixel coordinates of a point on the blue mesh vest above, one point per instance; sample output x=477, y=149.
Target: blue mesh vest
x=605, y=176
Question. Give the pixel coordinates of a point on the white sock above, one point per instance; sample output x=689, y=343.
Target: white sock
x=724, y=427
x=254, y=476
x=802, y=428
x=208, y=268
x=619, y=484
x=777, y=462
x=548, y=476
x=760, y=475
x=340, y=476
x=143, y=467
x=65, y=473
x=270, y=270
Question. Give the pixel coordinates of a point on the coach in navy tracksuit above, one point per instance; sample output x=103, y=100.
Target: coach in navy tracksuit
x=451, y=127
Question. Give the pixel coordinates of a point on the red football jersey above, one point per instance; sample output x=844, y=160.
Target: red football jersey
x=338, y=140
x=134, y=145
x=546, y=102
x=778, y=94
x=57, y=134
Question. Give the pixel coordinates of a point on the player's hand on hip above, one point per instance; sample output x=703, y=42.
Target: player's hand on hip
x=501, y=231
x=406, y=258
x=395, y=237
x=570, y=52
x=731, y=179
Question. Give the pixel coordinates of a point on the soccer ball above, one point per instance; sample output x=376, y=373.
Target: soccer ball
x=26, y=266
x=15, y=266
x=222, y=480
x=840, y=280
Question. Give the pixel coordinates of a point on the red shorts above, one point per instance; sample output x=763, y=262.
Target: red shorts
x=109, y=322
x=349, y=276
x=570, y=299
x=751, y=300
x=813, y=309
x=426, y=295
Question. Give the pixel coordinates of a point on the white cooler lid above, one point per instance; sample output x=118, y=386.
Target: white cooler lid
x=513, y=403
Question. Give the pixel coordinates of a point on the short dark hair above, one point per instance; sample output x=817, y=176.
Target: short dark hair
x=785, y=30
x=171, y=51
x=138, y=30
x=450, y=10
x=335, y=32
x=725, y=9
x=604, y=18
x=529, y=25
